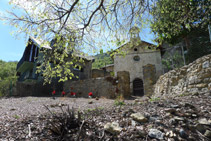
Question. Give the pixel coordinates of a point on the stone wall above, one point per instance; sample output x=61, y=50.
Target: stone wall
x=194, y=78
x=100, y=87
x=107, y=87
x=99, y=73
x=32, y=89
x=123, y=84
x=149, y=73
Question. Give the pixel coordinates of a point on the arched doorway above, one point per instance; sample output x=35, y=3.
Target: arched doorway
x=138, y=87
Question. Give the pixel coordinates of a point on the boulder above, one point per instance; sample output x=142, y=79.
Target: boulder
x=113, y=127
x=139, y=117
x=154, y=133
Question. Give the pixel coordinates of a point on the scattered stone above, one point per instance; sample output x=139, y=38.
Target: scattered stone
x=172, y=121
x=137, y=100
x=205, y=64
x=203, y=121
x=133, y=123
x=139, y=117
x=170, y=110
x=183, y=134
x=113, y=127
x=170, y=134
x=61, y=105
x=154, y=118
x=128, y=112
x=175, y=106
x=154, y=133
x=179, y=118
x=194, y=115
x=190, y=105
x=90, y=102
x=209, y=121
x=201, y=128
x=207, y=134
x=141, y=131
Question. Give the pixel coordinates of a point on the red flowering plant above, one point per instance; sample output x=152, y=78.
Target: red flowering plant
x=73, y=94
x=54, y=92
x=63, y=93
x=90, y=94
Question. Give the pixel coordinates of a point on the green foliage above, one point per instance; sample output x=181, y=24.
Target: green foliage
x=101, y=60
x=154, y=99
x=60, y=61
x=119, y=101
x=173, y=19
x=172, y=60
x=200, y=44
x=16, y=116
x=179, y=21
x=7, y=77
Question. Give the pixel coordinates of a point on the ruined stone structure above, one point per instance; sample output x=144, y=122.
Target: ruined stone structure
x=107, y=87
x=96, y=73
x=194, y=78
x=133, y=57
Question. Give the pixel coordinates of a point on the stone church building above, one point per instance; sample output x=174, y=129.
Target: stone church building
x=143, y=62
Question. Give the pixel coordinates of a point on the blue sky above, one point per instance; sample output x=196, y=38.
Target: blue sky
x=11, y=48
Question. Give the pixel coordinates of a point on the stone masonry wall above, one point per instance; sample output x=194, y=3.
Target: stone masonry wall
x=32, y=89
x=100, y=87
x=123, y=84
x=99, y=73
x=149, y=73
x=194, y=78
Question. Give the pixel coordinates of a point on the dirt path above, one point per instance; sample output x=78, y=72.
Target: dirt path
x=15, y=108
x=185, y=118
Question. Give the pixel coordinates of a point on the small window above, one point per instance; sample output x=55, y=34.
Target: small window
x=135, y=49
x=136, y=58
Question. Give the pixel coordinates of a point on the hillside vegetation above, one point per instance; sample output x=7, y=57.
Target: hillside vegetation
x=7, y=77
x=102, y=60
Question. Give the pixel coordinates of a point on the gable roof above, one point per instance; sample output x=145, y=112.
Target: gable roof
x=142, y=42
x=39, y=43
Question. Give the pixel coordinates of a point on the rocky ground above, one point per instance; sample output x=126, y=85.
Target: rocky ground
x=187, y=117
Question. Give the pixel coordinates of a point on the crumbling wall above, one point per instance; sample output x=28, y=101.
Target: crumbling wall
x=100, y=87
x=108, y=87
x=149, y=74
x=194, y=78
x=123, y=84
x=32, y=89
x=99, y=73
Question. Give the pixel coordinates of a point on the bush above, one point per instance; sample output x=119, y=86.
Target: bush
x=7, y=77
x=119, y=101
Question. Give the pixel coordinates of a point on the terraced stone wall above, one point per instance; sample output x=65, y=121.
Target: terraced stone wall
x=194, y=78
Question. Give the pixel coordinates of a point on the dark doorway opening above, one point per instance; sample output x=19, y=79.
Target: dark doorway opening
x=138, y=87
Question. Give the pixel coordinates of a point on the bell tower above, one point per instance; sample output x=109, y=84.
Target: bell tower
x=134, y=33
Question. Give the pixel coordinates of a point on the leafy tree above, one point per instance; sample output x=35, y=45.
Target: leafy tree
x=7, y=76
x=177, y=21
x=74, y=21
x=173, y=19
x=101, y=60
